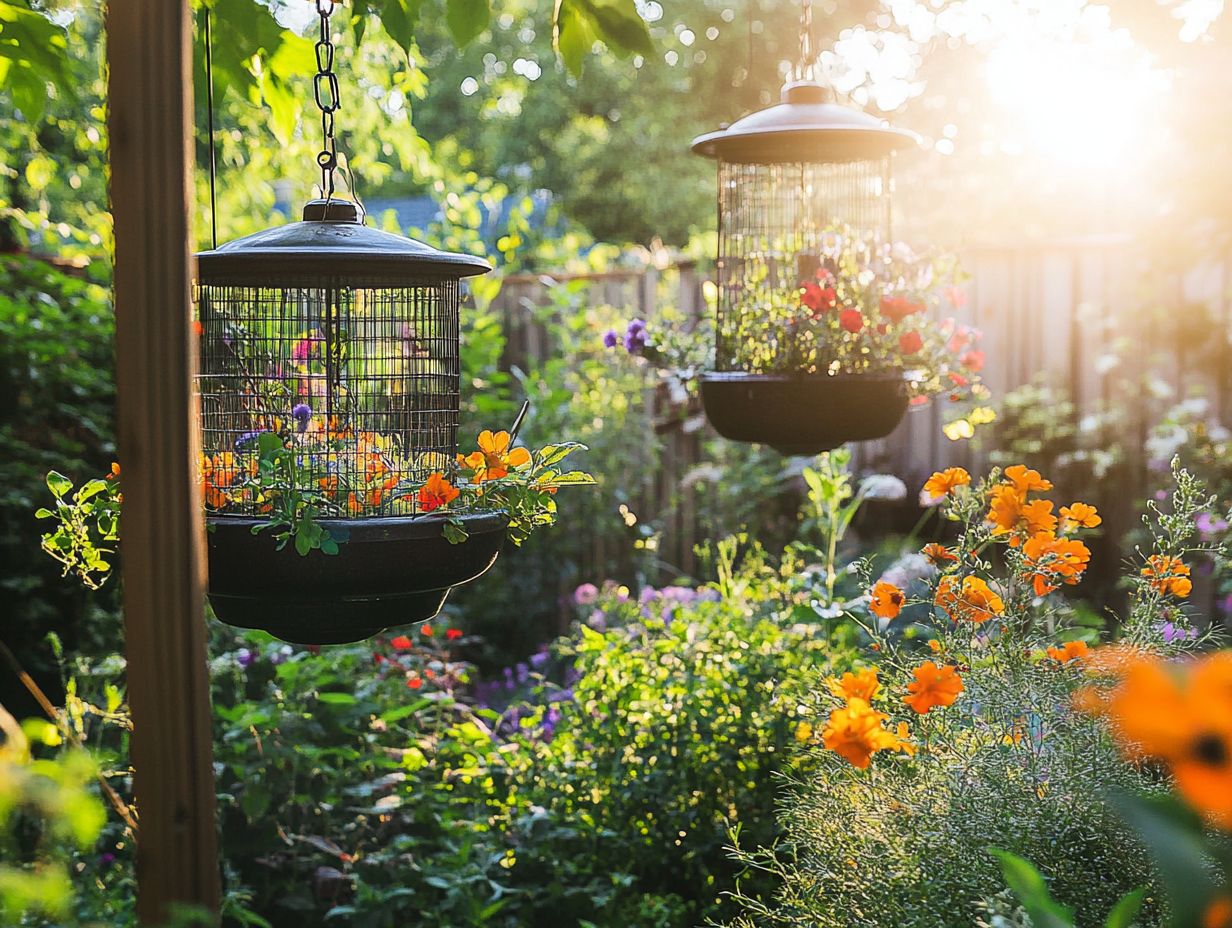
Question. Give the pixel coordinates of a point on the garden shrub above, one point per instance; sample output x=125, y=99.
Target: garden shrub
x=988, y=751
x=55, y=376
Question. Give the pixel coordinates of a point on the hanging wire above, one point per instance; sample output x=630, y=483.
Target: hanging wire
x=209, y=100
x=804, y=68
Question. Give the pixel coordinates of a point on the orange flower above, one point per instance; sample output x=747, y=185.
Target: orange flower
x=1025, y=480
x=218, y=472
x=943, y=482
x=1070, y=651
x=938, y=554
x=1182, y=715
x=1218, y=913
x=1010, y=513
x=1079, y=515
x=436, y=492
x=329, y=485
x=905, y=744
x=1168, y=575
x=970, y=599
x=886, y=600
x=1048, y=559
x=862, y=684
x=495, y=458
x=934, y=645
x=855, y=733
x=934, y=686
x=114, y=473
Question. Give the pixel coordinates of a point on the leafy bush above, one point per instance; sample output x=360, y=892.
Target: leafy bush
x=998, y=758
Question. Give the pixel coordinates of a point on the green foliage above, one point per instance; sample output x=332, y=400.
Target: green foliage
x=46, y=797
x=86, y=523
x=1029, y=885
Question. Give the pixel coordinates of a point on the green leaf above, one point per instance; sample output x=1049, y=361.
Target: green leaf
x=303, y=543
x=399, y=17
x=1029, y=886
x=466, y=19
x=337, y=699
x=269, y=443
x=618, y=24
x=44, y=513
x=573, y=36
x=454, y=533
x=58, y=484
x=1126, y=909
x=255, y=800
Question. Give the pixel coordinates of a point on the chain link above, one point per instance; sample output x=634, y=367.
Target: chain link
x=325, y=89
x=805, y=69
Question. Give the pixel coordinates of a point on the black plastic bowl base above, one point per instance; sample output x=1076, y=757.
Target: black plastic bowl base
x=803, y=413
x=388, y=572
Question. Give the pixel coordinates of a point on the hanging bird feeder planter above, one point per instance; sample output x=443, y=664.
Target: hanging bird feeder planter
x=812, y=348
x=330, y=372
x=329, y=402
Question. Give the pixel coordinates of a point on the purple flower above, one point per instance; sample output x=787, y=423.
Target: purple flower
x=1173, y=632
x=539, y=658
x=586, y=594
x=281, y=655
x=246, y=439
x=610, y=339
x=245, y=658
x=1210, y=526
x=301, y=414
x=1225, y=604
x=523, y=672
x=598, y=620
x=636, y=337
x=509, y=684
x=106, y=859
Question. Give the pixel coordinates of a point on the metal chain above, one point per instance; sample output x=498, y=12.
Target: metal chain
x=804, y=70
x=325, y=89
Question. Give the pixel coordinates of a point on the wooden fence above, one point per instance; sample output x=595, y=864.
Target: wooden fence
x=1057, y=312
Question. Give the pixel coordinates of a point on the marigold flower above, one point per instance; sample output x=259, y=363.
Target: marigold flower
x=933, y=686
x=1070, y=651
x=436, y=492
x=938, y=554
x=1181, y=715
x=942, y=483
x=969, y=599
x=855, y=733
x=1049, y=559
x=495, y=458
x=862, y=684
x=1026, y=480
x=1168, y=575
x=886, y=600
x=1079, y=515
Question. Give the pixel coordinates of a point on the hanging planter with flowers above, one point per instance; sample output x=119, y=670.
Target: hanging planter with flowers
x=337, y=502
x=823, y=332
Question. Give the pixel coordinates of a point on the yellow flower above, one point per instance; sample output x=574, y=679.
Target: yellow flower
x=863, y=684
x=1079, y=515
x=933, y=686
x=804, y=732
x=495, y=458
x=886, y=600
x=943, y=482
x=855, y=733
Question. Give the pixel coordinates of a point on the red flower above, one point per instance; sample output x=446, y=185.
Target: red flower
x=401, y=643
x=851, y=320
x=817, y=298
x=910, y=343
x=414, y=683
x=436, y=492
x=426, y=631
x=973, y=360
x=453, y=634
x=898, y=308
x=958, y=379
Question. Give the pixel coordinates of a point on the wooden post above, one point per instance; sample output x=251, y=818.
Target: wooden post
x=149, y=94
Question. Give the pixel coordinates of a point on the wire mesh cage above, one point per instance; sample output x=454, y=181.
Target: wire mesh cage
x=804, y=224
x=329, y=378
x=778, y=225
x=350, y=356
